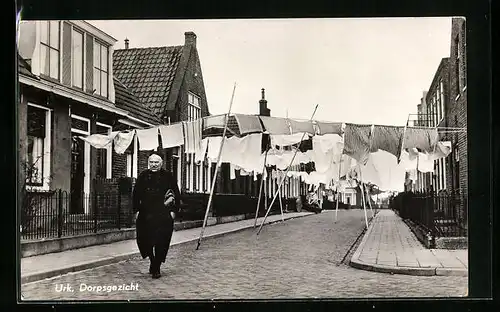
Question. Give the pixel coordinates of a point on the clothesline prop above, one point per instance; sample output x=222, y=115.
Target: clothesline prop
x=283, y=179
x=216, y=172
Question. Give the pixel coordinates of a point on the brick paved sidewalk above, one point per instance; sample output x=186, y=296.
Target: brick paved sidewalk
x=390, y=246
x=49, y=265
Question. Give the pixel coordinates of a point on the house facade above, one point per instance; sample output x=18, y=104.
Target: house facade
x=446, y=107
x=67, y=90
x=168, y=81
x=432, y=112
x=457, y=178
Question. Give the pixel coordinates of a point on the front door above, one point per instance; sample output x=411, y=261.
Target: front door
x=77, y=175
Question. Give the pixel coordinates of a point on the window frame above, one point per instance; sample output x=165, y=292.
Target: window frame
x=49, y=48
x=98, y=43
x=73, y=62
x=109, y=151
x=47, y=155
x=194, y=109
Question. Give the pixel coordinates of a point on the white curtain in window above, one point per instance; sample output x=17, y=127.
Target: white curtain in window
x=36, y=160
x=77, y=59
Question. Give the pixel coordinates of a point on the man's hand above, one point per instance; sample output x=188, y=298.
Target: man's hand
x=172, y=214
x=136, y=215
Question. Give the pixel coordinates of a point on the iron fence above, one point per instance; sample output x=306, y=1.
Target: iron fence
x=443, y=214
x=53, y=215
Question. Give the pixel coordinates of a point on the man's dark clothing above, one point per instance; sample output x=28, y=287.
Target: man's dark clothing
x=154, y=224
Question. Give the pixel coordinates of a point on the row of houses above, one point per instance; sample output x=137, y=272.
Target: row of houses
x=73, y=82
x=444, y=105
x=438, y=201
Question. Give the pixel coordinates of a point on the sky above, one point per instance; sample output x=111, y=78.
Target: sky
x=366, y=71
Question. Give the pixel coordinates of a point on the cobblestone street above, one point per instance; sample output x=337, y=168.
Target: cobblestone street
x=300, y=258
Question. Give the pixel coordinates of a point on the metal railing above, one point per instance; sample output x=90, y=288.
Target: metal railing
x=443, y=214
x=51, y=215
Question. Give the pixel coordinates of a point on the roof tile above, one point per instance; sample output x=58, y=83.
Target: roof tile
x=146, y=71
x=127, y=100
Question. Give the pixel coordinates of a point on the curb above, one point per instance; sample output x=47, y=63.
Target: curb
x=127, y=256
x=416, y=271
x=452, y=272
x=358, y=264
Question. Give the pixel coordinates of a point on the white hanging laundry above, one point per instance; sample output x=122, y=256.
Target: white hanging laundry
x=100, y=140
x=412, y=175
x=248, y=152
x=328, y=142
x=171, y=135
x=192, y=135
x=425, y=163
x=122, y=141
x=409, y=159
x=287, y=139
x=244, y=173
x=390, y=174
x=200, y=153
x=213, y=148
x=148, y=139
x=232, y=170
x=370, y=172
x=230, y=150
x=442, y=150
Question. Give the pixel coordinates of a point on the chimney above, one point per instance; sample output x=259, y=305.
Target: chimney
x=126, y=43
x=263, y=110
x=190, y=39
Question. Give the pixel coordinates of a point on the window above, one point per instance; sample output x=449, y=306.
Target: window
x=189, y=172
x=457, y=64
x=104, y=155
x=129, y=165
x=38, y=151
x=131, y=159
x=100, y=69
x=431, y=111
x=195, y=172
x=77, y=58
x=194, y=107
x=49, y=49
x=441, y=97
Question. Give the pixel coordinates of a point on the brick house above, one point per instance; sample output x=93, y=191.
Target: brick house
x=168, y=81
x=446, y=106
x=66, y=90
x=433, y=113
x=457, y=109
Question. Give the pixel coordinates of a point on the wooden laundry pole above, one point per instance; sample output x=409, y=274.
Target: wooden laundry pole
x=281, y=202
x=338, y=188
x=261, y=187
x=216, y=169
x=364, y=185
x=282, y=180
x=363, y=195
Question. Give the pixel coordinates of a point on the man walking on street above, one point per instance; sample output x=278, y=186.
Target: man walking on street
x=156, y=199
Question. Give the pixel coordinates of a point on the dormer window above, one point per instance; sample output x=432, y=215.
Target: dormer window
x=49, y=49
